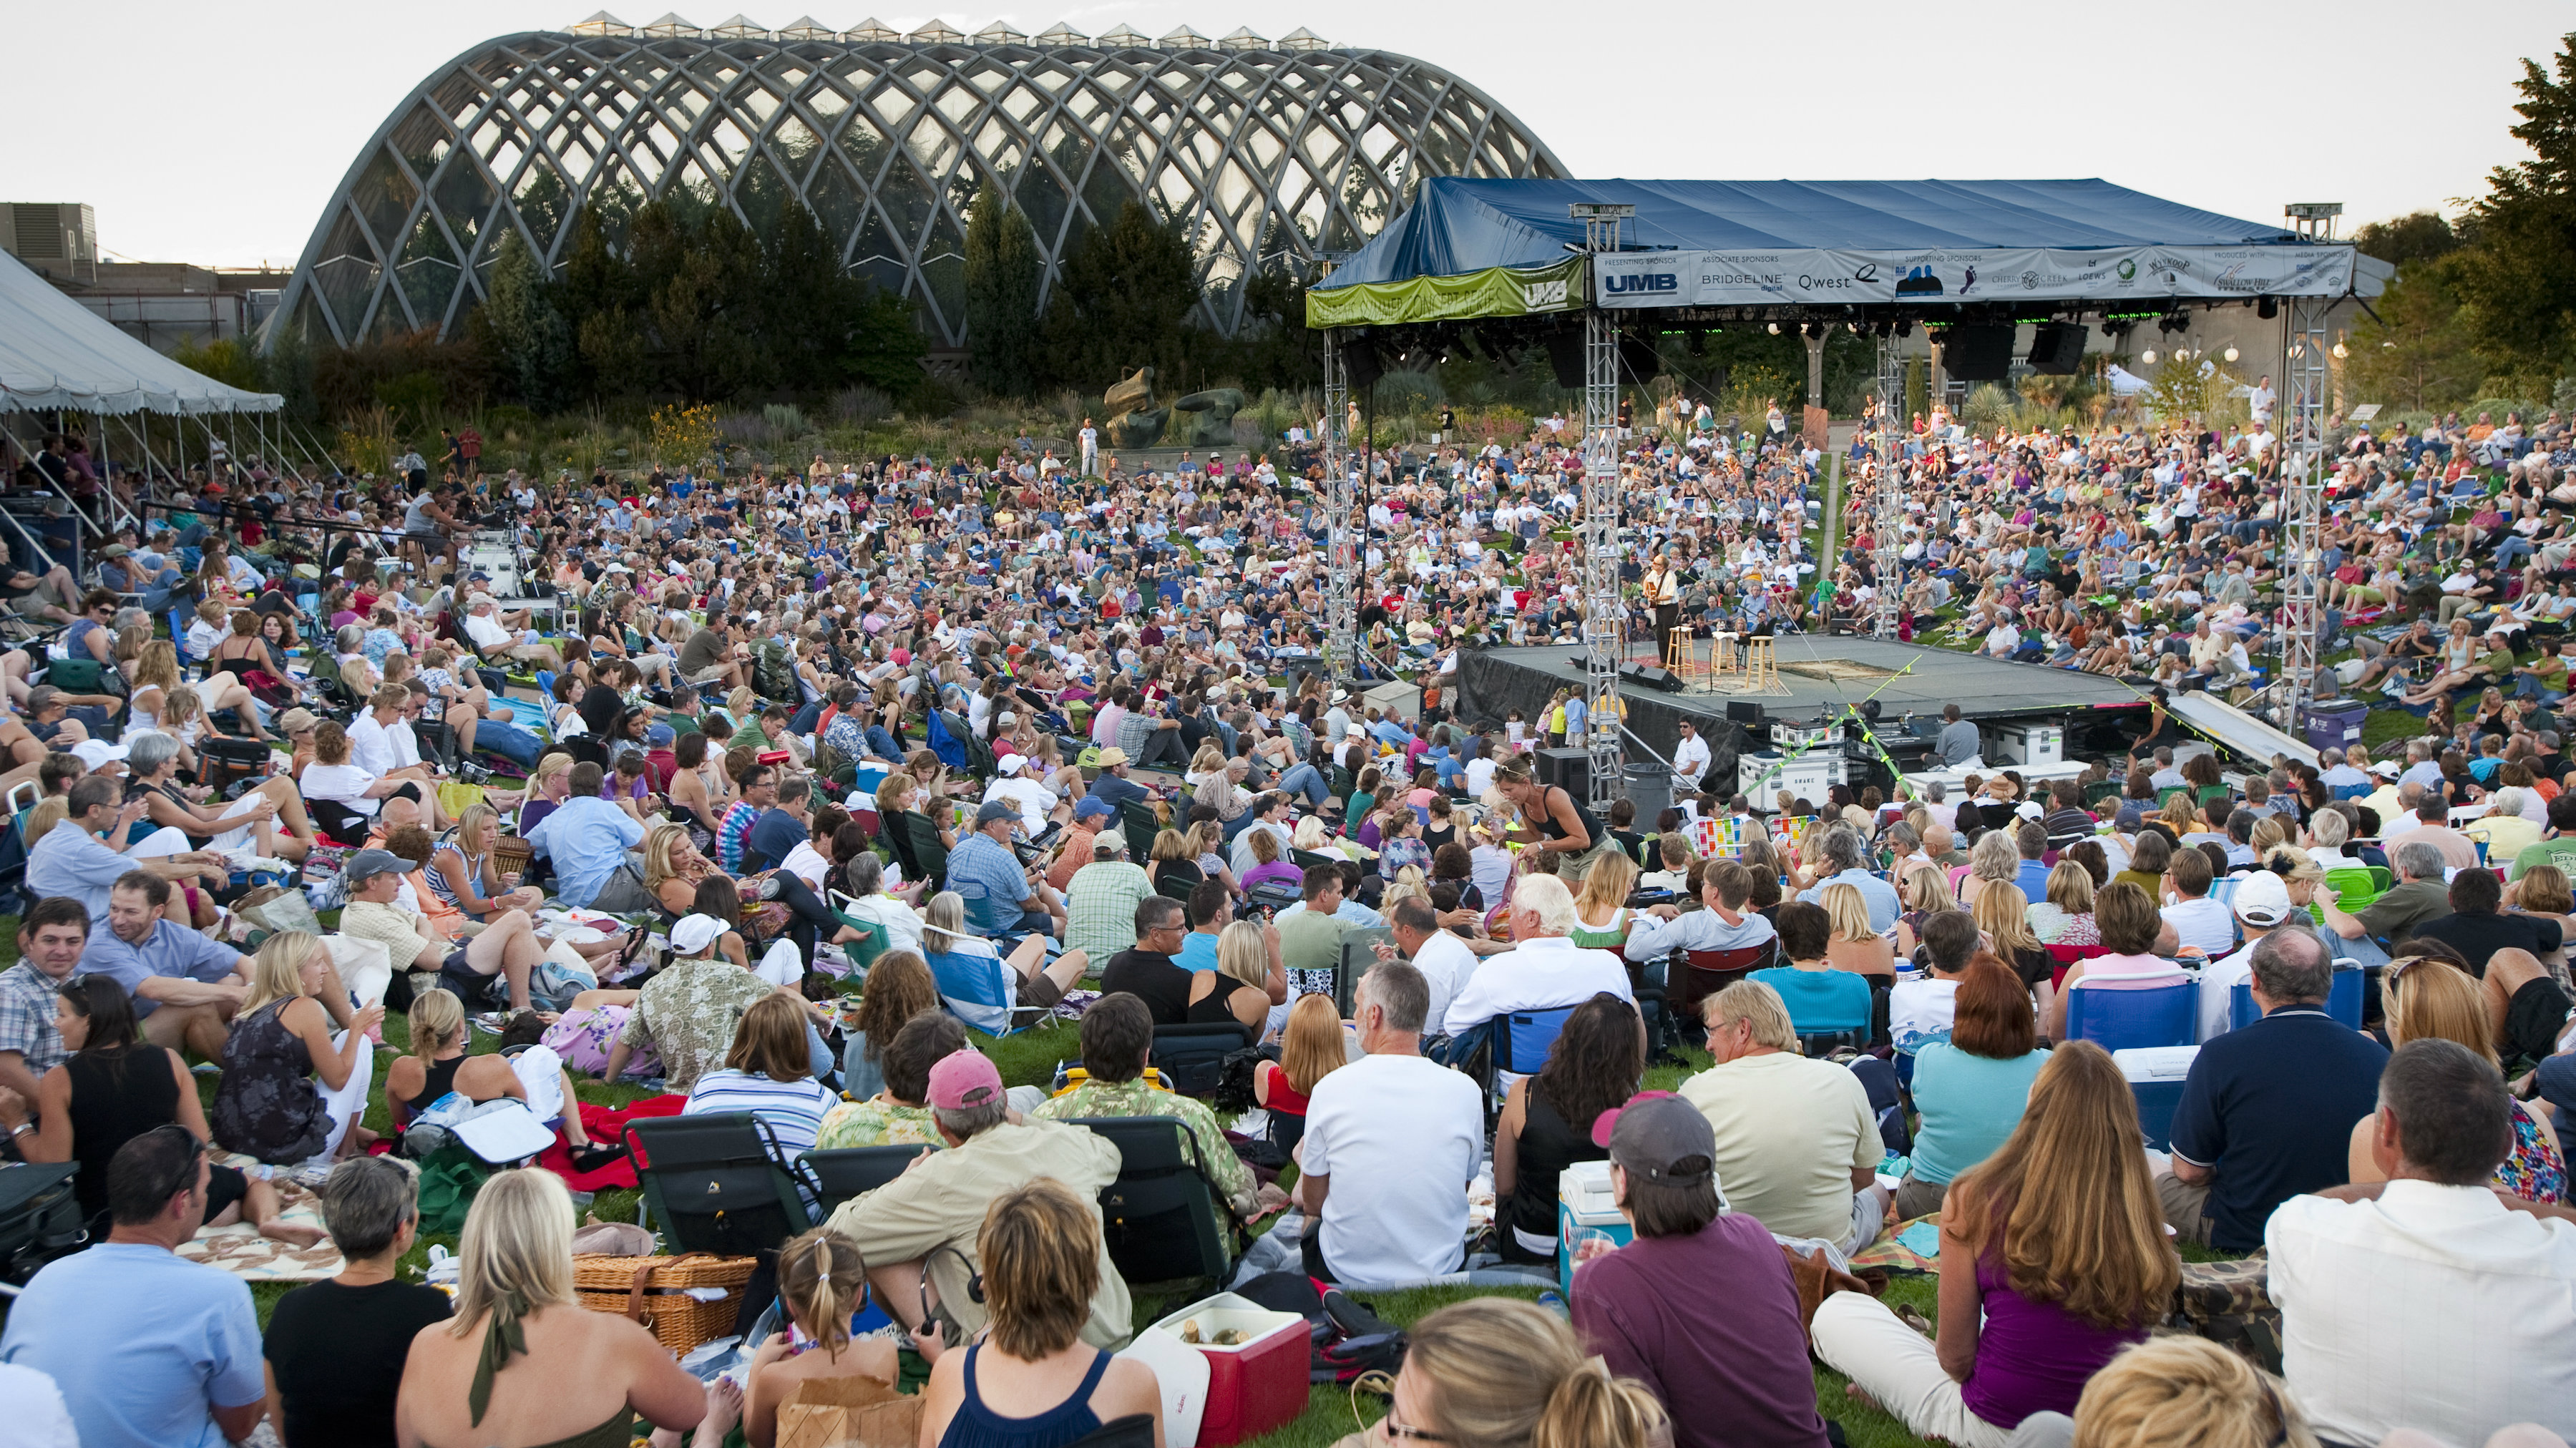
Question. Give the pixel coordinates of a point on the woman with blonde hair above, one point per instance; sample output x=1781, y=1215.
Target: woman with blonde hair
x=1175, y=858
x=1853, y=946
x=1992, y=860
x=290, y=1095
x=1498, y=1372
x=2066, y=916
x=2002, y=912
x=2427, y=997
x=2183, y=1392
x=1602, y=917
x=822, y=1282
x=1033, y=1382
x=1926, y=893
x=1311, y=1047
x=1249, y=973
x=587, y=1375
x=2066, y=1261
x=673, y=868
x=1034, y=978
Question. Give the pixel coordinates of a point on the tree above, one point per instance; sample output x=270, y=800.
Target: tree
x=2417, y=355
x=2517, y=283
x=1002, y=276
x=2416, y=236
x=1123, y=302
x=532, y=341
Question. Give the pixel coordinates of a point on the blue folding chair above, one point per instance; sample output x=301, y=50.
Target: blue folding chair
x=2156, y=1075
x=2343, y=1000
x=2118, y=1020
x=1522, y=1039
x=977, y=989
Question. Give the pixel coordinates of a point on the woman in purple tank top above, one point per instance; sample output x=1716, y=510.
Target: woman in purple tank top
x=2055, y=1256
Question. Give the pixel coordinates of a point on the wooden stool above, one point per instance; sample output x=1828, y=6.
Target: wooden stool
x=1761, y=669
x=1721, y=656
x=1677, y=650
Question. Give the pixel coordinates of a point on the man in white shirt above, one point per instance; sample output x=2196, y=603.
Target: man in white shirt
x=1445, y=961
x=1690, y=761
x=2431, y=1301
x=493, y=640
x=2261, y=903
x=1391, y=1142
x=1726, y=889
x=1544, y=971
x=381, y=741
x=1035, y=801
x=1797, y=1144
x=2194, y=918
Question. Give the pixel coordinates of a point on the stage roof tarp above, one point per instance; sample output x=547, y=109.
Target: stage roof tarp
x=1770, y=243
x=56, y=353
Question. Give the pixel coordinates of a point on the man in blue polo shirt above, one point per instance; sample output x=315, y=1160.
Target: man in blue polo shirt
x=1001, y=900
x=149, y=1350
x=2267, y=1111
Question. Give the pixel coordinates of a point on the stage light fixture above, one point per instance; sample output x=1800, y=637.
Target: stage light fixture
x=2267, y=308
x=1698, y=342
x=1905, y=326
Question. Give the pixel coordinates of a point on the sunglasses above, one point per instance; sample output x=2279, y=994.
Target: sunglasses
x=184, y=1178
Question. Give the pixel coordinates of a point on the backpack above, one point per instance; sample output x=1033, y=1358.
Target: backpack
x=773, y=673
x=1345, y=1336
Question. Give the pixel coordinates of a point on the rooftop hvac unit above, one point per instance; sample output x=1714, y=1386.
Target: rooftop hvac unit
x=54, y=231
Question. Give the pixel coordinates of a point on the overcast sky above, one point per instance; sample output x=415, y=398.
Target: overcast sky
x=214, y=133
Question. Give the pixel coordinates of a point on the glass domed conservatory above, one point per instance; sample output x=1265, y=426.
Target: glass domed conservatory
x=1264, y=151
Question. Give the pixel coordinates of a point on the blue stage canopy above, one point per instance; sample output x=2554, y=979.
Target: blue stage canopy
x=1732, y=243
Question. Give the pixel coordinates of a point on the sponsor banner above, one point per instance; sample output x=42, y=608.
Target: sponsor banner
x=1826, y=277
x=1494, y=292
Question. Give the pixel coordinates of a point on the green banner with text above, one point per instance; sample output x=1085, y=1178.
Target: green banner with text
x=1494, y=292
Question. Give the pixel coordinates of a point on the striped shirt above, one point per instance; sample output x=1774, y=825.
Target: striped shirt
x=792, y=1109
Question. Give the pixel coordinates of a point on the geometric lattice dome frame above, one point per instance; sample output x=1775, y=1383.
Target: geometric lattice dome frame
x=1261, y=148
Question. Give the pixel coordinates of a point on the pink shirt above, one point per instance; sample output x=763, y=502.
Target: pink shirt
x=2129, y=972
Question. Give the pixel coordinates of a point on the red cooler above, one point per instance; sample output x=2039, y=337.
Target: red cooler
x=1254, y=1386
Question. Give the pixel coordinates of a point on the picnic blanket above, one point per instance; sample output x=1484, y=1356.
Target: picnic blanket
x=240, y=1250
x=1910, y=1246
x=606, y=1124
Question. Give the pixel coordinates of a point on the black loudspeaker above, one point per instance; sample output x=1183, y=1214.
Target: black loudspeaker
x=1565, y=354
x=1652, y=677
x=1567, y=769
x=1979, y=353
x=2057, y=348
x=1360, y=364
x=1744, y=712
x=1638, y=359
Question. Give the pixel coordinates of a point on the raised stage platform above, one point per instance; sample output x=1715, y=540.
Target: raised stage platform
x=1818, y=675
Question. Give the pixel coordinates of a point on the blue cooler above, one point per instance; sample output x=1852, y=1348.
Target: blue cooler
x=1586, y=1211
x=2336, y=723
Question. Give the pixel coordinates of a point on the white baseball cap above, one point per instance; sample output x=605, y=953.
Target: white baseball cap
x=2262, y=899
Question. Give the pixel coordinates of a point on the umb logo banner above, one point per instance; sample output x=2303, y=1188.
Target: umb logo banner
x=1543, y=296
x=1635, y=282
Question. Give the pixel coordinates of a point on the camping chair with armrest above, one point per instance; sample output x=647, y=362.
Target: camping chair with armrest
x=2118, y=1020
x=1163, y=1219
x=716, y=1183
x=978, y=990
x=929, y=860
x=1192, y=1057
x=1142, y=825
x=838, y=1175
x=874, y=939
x=1173, y=887
x=2380, y=879
x=2065, y=957
x=2343, y=998
x=1706, y=972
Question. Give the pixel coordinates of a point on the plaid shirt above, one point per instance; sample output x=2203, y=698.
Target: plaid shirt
x=27, y=1018
x=1141, y=1098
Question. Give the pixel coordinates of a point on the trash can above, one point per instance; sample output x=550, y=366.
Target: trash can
x=1650, y=789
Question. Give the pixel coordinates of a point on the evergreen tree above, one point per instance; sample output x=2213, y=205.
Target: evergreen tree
x=1002, y=275
x=534, y=343
x=1122, y=302
x=2518, y=281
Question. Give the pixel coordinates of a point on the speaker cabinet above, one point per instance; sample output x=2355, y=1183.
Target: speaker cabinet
x=2057, y=348
x=1978, y=353
x=1567, y=769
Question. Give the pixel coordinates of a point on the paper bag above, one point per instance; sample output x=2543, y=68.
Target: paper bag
x=849, y=1412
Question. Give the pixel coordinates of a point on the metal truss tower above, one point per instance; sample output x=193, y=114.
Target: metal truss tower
x=2306, y=378
x=1604, y=638
x=1888, y=498
x=1341, y=518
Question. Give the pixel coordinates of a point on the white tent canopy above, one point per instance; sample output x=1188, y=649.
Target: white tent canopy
x=56, y=353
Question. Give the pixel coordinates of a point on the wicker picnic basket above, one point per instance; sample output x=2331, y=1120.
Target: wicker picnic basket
x=653, y=1291
x=511, y=855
